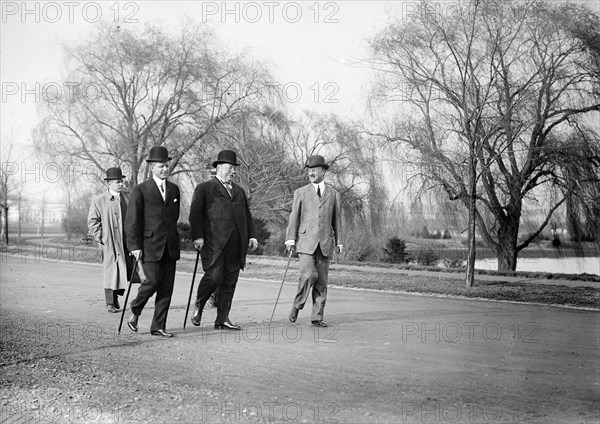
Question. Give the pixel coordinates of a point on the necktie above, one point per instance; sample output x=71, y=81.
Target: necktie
x=228, y=187
x=162, y=189
x=319, y=191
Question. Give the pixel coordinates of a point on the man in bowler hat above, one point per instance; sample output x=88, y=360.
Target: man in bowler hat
x=223, y=231
x=315, y=230
x=106, y=219
x=151, y=228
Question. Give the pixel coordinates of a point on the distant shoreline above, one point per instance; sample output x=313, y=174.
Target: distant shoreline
x=90, y=253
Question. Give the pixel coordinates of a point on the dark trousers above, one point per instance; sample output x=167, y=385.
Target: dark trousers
x=314, y=272
x=222, y=275
x=160, y=278
x=111, y=296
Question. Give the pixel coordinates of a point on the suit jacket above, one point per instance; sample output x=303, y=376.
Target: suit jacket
x=315, y=221
x=105, y=223
x=151, y=222
x=214, y=215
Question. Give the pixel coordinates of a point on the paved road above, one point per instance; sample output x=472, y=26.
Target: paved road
x=387, y=358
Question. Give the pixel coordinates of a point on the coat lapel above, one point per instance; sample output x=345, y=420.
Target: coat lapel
x=168, y=192
x=235, y=191
x=223, y=190
x=154, y=189
x=326, y=193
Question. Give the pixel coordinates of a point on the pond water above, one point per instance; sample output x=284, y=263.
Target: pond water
x=563, y=265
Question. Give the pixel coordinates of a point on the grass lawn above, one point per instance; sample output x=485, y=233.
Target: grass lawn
x=396, y=280
x=377, y=277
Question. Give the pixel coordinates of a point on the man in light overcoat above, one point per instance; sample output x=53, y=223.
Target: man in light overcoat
x=315, y=230
x=106, y=219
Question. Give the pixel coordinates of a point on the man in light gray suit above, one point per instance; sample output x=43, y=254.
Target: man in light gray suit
x=314, y=229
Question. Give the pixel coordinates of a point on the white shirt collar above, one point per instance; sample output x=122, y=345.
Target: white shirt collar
x=115, y=194
x=160, y=182
x=321, y=185
x=223, y=182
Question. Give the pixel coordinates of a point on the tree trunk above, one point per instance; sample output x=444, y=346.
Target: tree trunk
x=42, y=217
x=507, y=242
x=19, y=213
x=6, y=224
x=470, y=275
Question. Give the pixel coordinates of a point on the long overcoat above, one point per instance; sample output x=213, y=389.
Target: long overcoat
x=105, y=223
x=214, y=214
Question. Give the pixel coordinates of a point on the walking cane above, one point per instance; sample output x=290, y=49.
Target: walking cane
x=284, y=275
x=191, y=290
x=127, y=296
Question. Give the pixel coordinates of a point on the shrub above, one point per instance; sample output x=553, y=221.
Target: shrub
x=457, y=262
x=362, y=252
x=360, y=246
x=395, y=251
x=75, y=222
x=425, y=257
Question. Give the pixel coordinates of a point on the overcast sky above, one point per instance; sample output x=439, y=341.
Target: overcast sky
x=314, y=49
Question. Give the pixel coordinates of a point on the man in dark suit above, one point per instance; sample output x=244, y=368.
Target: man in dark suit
x=152, y=237
x=315, y=229
x=223, y=230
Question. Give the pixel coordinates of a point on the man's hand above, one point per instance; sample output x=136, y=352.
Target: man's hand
x=252, y=244
x=198, y=243
x=339, y=248
x=137, y=254
x=289, y=245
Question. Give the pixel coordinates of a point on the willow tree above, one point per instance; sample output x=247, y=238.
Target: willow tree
x=268, y=175
x=486, y=96
x=128, y=91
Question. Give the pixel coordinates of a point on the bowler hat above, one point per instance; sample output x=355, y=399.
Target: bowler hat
x=114, y=174
x=158, y=154
x=226, y=156
x=316, y=160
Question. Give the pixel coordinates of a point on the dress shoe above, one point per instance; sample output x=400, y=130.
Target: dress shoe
x=111, y=309
x=294, y=314
x=117, y=306
x=132, y=322
x=162, y=333
x=319, y=324
x=196, y=317
x=227, y=325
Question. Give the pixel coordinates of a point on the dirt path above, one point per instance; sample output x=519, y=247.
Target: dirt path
x=387, y=358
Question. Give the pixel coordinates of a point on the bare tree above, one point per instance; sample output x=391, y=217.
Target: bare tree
x=266, y=172
x=273, y=148
x=355, y=171
x=11, y=182
x=131, y=91
x=583, y=197
x=491, y=89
